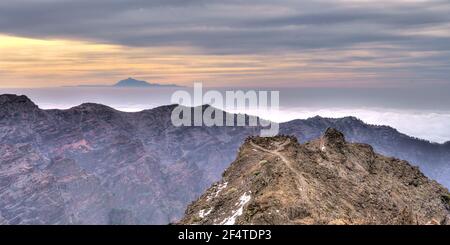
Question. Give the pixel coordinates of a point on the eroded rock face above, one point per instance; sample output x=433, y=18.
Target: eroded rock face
x=279, y=181
x=432, y=158
x=333, y=138
x=92, y=164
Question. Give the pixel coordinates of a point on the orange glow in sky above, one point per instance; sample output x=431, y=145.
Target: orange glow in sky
x=27, y=62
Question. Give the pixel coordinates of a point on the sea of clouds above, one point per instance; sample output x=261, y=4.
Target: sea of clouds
x=432, y=126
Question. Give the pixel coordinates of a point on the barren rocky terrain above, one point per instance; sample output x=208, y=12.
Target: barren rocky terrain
x=92, y=164
x=325, y=181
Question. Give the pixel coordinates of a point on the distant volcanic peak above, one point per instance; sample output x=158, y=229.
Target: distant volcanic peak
x=134, y=83
x=131, y=82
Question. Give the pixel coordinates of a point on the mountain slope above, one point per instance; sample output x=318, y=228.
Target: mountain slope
x=92, y=164
x=325, y=181
x=432, y=158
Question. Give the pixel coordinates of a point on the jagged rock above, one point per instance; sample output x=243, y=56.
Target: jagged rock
x=279, y=181
x=334, y=138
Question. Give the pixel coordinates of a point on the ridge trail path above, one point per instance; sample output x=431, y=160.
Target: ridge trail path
x=300, y=180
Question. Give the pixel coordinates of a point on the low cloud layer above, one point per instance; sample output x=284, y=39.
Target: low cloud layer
x=421, y=124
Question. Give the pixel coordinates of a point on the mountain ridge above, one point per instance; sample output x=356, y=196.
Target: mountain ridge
x=137, y=165
x=310, y=119
x=277, y=181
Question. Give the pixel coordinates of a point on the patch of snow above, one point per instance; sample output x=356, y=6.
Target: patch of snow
x=202, y=214
x=244, y=199
x=323, y=148
x=219, y=189
x=255, y=150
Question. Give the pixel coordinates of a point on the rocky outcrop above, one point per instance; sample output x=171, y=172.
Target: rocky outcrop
x=326, y=181
x=433, y=159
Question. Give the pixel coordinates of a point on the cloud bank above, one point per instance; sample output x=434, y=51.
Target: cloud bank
x=421, y=124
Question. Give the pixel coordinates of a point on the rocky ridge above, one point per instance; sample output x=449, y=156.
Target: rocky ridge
x=325, y=181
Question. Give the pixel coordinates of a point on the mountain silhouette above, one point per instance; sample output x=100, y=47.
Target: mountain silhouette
x=133, y=83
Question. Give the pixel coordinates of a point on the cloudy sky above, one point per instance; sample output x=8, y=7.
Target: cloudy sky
x=267, y=43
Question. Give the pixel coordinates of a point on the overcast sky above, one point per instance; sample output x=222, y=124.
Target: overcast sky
x=301, y=43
